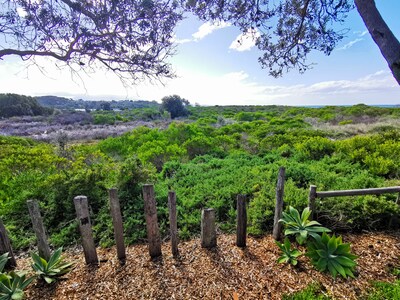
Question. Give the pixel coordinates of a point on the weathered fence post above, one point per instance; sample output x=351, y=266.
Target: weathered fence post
x=38, y=227
x=5, y=246
x=280, y=189
x=150, y=210
x=85, y=227
x=117, y=223
x=241, y=221
x=173, y=223
x=208, y=233
x=311, y=199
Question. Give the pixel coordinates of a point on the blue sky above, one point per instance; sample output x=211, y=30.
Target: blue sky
x=212, y=70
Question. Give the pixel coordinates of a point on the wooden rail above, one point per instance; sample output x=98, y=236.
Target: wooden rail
x=313, y=194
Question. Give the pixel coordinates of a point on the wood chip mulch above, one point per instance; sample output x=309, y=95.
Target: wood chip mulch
x=226, y=272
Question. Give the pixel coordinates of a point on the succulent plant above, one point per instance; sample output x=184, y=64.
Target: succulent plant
x=330, y=253
x=301, y=226
x=50, y=270
x=288, y=255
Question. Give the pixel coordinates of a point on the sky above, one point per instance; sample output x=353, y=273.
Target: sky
x=212, y=69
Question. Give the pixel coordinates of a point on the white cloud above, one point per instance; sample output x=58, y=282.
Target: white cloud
x=208, y=28
x=350, y=44
x=360, y=33
x=245, y=41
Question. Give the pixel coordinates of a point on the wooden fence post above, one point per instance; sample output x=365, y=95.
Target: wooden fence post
x=38, y=227
x=117, y=224
x=208, y=233
x=173, y=223
x=241, y=221
x=150, y=210
x=311, y=199
x=85, y=227
x=5, y=246
x=280, y=189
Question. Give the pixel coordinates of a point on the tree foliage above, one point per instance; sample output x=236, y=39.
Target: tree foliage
x=17, y=105
x=175, y=105
x=287, y=31
x=131, y=38
x=134, y=38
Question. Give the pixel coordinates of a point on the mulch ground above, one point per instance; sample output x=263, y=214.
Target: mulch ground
x=226, y=272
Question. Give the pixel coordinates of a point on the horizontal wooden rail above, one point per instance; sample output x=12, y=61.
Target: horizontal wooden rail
x=373, y=191
x=313, y=194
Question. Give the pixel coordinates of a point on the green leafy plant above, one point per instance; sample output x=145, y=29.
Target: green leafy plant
x=301, y=226
x=330, y=253
x=288, y=255
x=12, y=285
x=52, y=269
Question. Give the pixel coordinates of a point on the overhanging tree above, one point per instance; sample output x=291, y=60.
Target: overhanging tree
x=286, y=31
x=132, y=38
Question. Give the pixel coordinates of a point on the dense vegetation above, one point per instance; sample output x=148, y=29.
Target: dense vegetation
x=65, y=103
x=17, y=105
x=217, y=153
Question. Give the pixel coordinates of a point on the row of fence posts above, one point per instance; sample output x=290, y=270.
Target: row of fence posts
x=208, y=228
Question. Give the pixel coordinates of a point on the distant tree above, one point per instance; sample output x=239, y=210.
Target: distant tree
x=175, y=105
x=18, y=105
x=133, y=38
x=286, y=31
x=105, y=106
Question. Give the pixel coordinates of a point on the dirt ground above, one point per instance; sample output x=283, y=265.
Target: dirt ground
x=226, y=272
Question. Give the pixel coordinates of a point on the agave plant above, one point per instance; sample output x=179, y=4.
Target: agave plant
x=288, y=255
x=301, y=226
x=50, y=270
x=330, y=253
x=12, y=285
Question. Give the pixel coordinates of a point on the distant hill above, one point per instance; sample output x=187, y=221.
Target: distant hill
x=65, y=103
x=12, y=105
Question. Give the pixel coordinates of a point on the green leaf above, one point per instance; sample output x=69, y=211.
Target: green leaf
x=55, y=258
x=321, y=264
x=332, y=245
x=339, y=268
x=322, y=253
x=345, y=261
x=332, y=270
x=283, y=259
x=295, y=214
x=296, y=253
x=48, y=279
x=17, y=295
x=3, y=261
x=305, y=214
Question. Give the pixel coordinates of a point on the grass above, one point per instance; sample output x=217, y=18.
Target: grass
x=379, y=291
x=384, y=290
x=311, y=292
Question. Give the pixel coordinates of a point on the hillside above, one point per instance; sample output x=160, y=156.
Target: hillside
x=12, y=105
